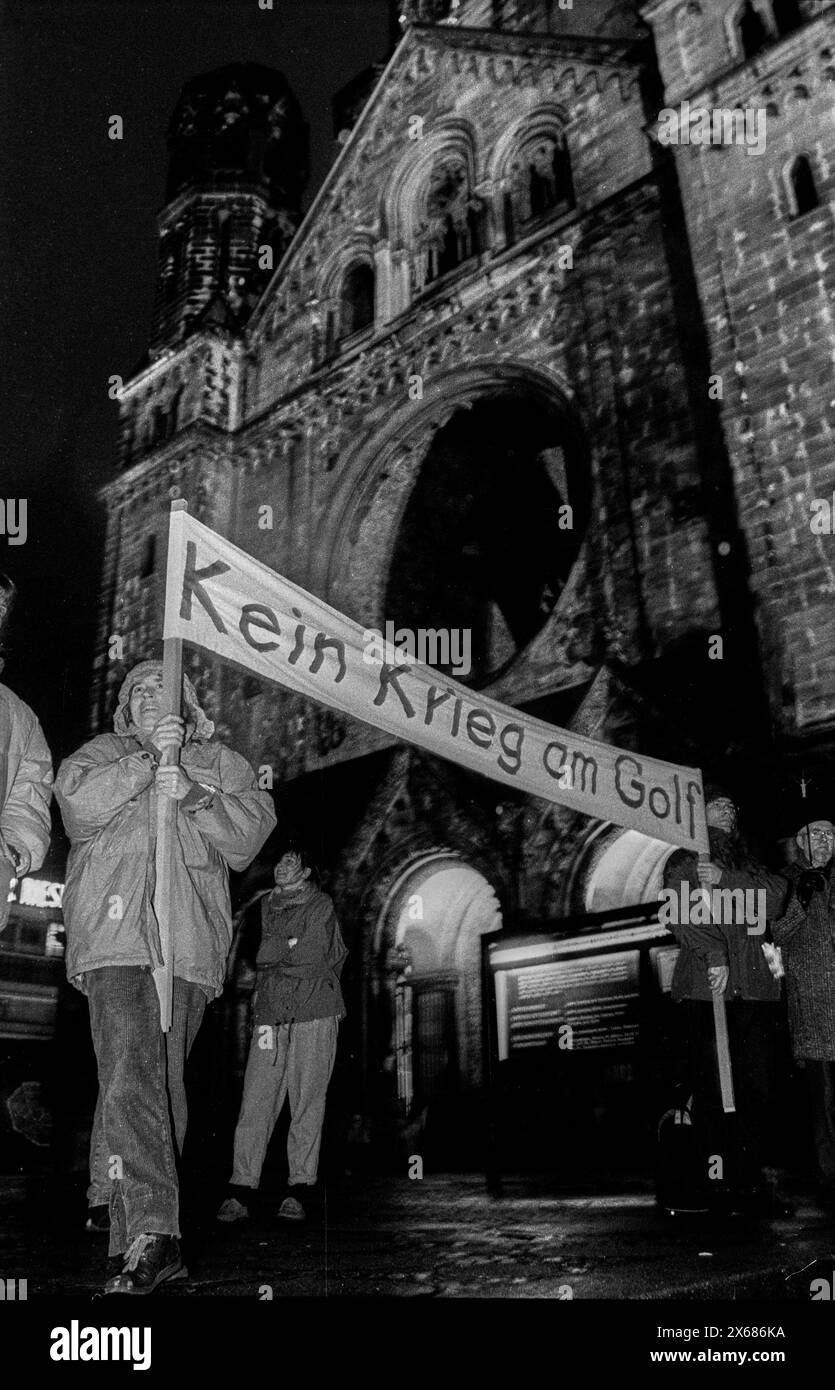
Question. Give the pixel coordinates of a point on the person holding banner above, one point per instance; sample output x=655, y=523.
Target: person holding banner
x=296, y=1011
x=107, y=792
x=721, y=952
x=806, y=937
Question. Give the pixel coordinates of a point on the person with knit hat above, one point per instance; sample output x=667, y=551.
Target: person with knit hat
x=296, y=1010
x=806, y=936
x=107, y=792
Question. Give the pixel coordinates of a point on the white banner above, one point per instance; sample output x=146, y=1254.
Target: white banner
x=220, y=598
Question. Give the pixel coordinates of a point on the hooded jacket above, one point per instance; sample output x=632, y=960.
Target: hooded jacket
x=108, y=801
x=25, y=792
x=724, y=943
x=299, y=961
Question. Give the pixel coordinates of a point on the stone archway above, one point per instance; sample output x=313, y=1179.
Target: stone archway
x=490, y=532
x=427, y=958
x=356, y=541
x=626, y=870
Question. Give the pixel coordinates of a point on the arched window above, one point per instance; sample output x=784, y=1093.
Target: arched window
x=752, y=32
x=328, y=342
x=172, y=416
x=539, y=182
x=449, y=233
x=787, y=16
x=802, y=189
x=224, y=244
x=357, y=299
x=149, y=552
x=230, y=136
x=465, y=562
x=171, y=252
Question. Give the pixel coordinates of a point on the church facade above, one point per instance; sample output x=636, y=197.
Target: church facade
x=527, y=372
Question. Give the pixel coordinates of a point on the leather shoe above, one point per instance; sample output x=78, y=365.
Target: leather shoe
x=150, y=1260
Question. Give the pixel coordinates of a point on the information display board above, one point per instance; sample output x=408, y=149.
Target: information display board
x=583, y=1043
x=576, y=993
x=587, y=1002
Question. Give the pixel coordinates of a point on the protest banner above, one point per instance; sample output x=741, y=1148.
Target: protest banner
x=221, y=599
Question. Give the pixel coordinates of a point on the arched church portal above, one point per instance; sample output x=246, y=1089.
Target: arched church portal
x=428, y=959
x=628, y=870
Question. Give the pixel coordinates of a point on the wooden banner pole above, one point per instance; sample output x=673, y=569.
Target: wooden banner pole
x=172, y=695
x=720, y=1025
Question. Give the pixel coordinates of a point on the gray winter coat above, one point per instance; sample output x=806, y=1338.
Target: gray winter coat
x=806, y=937
x=108, y=800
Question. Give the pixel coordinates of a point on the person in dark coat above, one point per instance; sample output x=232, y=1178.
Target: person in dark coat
x=806, y=936
x=726, y=957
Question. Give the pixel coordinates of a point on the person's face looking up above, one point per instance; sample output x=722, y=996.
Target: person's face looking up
x=721, y=814
x=145, y=703
x=289, y=873
x=817, y=842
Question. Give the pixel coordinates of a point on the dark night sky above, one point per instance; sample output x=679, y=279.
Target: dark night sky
x=79, y=261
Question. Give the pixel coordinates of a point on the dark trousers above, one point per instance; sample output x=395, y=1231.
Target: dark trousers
x=737, y=1139
x=141, y=1112
x=821, y=1083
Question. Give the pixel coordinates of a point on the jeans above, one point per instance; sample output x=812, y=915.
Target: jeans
x=297, y=1065
x=141, y=1110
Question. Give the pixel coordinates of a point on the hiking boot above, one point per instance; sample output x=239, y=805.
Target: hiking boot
x=291, y=1209
x=233, y=1210
x=149, y=1260
x=98, y=1219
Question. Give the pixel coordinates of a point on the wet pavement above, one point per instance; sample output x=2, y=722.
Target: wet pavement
x=440, y=1236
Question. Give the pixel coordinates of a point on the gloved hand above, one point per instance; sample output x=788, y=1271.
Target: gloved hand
x=811, y=881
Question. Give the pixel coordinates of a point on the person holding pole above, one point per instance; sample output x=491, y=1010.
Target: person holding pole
x=108, y=793
x=722, y=956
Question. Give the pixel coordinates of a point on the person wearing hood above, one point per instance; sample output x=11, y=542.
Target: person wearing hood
x=806, y=937
x=725, y=956
x=297, y=1006
x=25, y=779
x=107, y=792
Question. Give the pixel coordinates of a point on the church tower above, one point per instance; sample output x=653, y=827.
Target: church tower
x=758, y=202
x=238, y=165
x=238, y=160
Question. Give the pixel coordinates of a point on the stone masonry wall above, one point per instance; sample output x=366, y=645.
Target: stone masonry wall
x=767, y=281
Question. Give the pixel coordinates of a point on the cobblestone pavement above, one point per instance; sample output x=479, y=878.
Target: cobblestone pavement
x=440, y=1236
